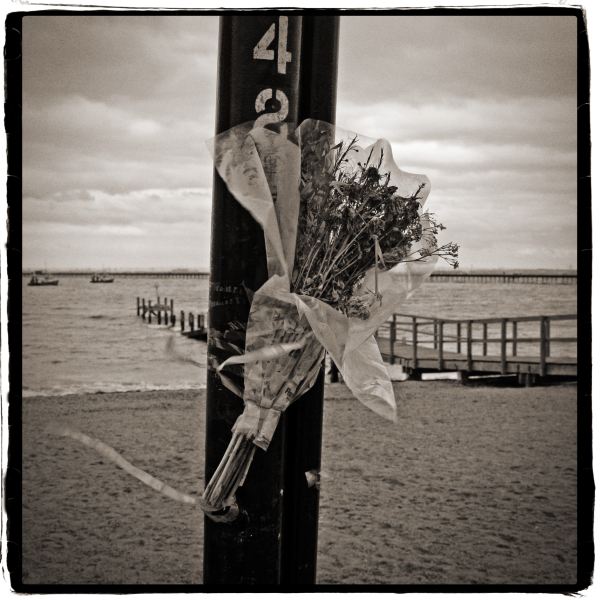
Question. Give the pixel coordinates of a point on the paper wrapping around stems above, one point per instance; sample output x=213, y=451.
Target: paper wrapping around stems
x=282, y=360
x=261, y=168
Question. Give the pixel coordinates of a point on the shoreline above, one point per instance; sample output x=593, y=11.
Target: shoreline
x=35, y=394
x=471, y=485
x=332, y=390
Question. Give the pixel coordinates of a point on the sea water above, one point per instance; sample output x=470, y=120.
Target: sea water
x=83, y=337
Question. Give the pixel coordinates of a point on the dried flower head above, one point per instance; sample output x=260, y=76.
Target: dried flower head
x=345, y=207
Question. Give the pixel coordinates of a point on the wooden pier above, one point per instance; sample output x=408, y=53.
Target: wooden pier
x=135, y=274
x=481, y=346
x=450, y=276
x=163, y=313
x=495, y=346
x=561, y=278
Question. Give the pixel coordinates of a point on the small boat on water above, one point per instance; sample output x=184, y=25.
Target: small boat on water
x=101, y=278
x=42, y=278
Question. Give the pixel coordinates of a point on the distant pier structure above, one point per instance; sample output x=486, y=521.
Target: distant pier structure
x=531, y=277
x=137, y=274
x=480, y=276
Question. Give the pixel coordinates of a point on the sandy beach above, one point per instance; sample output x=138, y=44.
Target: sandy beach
x=471, y=485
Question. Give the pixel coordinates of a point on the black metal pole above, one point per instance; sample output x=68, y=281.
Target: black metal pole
x=303, y=421
x=266, y=71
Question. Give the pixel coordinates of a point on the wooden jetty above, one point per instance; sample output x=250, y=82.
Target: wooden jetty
x=480, y=346
x=494, y=346
x=163, y=313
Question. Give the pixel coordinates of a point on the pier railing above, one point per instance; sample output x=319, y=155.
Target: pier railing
x=506, y=344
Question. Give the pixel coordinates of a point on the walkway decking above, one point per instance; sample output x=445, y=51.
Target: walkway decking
x=428, y=360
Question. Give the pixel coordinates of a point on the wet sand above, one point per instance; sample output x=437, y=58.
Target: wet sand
x=471, y=485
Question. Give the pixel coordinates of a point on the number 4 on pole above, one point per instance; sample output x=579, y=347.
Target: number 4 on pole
x=263, y=52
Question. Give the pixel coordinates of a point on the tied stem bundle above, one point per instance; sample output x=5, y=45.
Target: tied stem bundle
x=229, y=475
x=280, y=365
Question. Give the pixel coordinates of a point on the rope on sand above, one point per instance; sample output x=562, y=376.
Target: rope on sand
x=112, y=455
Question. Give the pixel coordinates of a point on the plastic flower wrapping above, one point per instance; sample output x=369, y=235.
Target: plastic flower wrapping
x=347, y=241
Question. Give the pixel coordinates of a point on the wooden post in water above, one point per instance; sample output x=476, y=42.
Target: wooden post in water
x=143, y=308
x=543, y=345
x=137, y=311
x=392, y=338
x=415, y=341
x=469, y=346
x=458, y=337
x=514, y=338
x=273, y=67
x=149, y=311
x=440, y=345
x=158, y=315
x=191, y=321
x=182, y=320
x=484, y=343
x=503, y=347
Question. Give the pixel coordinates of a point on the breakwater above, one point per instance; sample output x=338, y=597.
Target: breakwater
x=164, y=314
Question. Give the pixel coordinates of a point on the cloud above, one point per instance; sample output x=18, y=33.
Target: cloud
x=117, y=103
x=116, y=111
x=78, y=143
x=140, y=59
x=503, y=171
x=425, y=58
x=95, y=207
x=160, y=227
x=72, y=195
x=547, y=121
x=144, y=127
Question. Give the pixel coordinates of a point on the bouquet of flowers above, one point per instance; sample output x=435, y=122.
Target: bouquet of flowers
x=347, y=241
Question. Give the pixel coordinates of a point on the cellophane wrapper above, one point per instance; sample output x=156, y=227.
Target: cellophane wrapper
x=287, y=333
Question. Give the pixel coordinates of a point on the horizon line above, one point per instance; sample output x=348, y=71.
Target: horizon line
x=204, y=270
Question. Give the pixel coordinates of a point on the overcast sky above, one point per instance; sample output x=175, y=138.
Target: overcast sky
x=116, y=111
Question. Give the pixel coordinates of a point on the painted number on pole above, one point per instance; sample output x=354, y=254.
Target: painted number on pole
x=271, y=117
x=262, y=51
